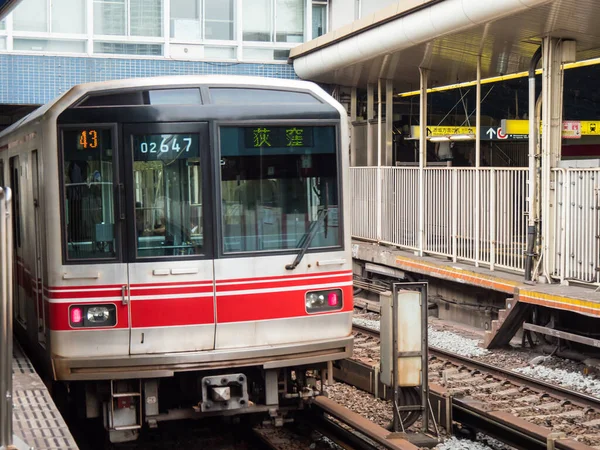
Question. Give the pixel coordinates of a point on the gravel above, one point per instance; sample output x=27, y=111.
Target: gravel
x=565, y=378
x=461, y=444
x=445, y=340
x=369, y=323
x=452, y=342
x=371, y=408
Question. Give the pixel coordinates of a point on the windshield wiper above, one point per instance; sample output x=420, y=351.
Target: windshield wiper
x=307, y=239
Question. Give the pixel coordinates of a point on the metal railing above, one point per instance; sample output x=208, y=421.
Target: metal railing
x=486, y=228
x=576, y=254
x=6, y=316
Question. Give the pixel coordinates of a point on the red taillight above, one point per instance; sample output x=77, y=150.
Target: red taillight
x=76, y=316
x=332, y=299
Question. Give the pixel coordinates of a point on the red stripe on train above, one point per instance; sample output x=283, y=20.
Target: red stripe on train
x=276, y=305
x=283, y=277
x=283, y=284
x=172, y=312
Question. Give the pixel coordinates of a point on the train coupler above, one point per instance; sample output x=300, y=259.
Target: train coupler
x=224, y=392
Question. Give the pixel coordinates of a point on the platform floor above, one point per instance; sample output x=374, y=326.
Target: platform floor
x=36, y=419
x=582, y=300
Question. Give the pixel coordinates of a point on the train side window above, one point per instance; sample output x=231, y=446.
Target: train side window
x=89, y=204
x=168, y=195
x=1, y=173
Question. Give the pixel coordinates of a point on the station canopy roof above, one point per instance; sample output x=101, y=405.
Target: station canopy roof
x=446, y=36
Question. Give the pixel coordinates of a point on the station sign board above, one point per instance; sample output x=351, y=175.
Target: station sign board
x=510, y=130
x=7, y=6
x=488, y=133
x=572, y=129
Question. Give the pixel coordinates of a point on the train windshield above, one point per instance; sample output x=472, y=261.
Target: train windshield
x=89, y=199
x=167, y=192
x=276, y=182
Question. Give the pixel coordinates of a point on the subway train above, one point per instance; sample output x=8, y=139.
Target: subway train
x=181, y=246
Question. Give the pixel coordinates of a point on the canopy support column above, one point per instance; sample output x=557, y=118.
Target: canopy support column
x=424, y=74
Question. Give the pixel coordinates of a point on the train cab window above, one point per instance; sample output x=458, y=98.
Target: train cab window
x=168, y=195
x=279, y=184
x=89, y=209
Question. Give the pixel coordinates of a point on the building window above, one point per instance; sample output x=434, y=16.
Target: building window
x=57, y=16
x=118, y=48
x=274, y=21
x=128, y=17
x=319, y=19
x=194, y=20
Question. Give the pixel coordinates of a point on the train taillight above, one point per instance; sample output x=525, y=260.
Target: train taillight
x=322, y=301
x=92, y=316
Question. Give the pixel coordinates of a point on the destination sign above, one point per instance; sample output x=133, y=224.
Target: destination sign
x=265, y=136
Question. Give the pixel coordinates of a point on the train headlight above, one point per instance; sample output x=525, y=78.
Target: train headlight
x=322, y=301
x=92, y=316
x=98, y=314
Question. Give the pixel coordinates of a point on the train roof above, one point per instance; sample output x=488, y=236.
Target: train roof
x=80, y=91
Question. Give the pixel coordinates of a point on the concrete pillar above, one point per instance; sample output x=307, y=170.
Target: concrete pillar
x=389, y=119
x=552, y=105
x=353, y=107
x=371, y=159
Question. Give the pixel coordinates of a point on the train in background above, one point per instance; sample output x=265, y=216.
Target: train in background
x=181, y=245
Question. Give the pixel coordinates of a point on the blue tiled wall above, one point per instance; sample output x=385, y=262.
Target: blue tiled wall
x=33, y=79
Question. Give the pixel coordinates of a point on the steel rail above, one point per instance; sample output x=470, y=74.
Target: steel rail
x=575, y=397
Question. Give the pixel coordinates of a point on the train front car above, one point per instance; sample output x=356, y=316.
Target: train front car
x=205, y=264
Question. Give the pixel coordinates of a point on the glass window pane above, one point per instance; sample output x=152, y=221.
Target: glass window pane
x=117, y=48
x=289, y=24
x=1, y=173
x=185, y=20
x=39, y=45
x=2, y=24
x=89, y=189
x=25, y=20
x=146, y=18
x=278, y=184
x=220, y=52
x=168, y=195
x=258, y=16
x=218, y=19
x=68, y=16
x=258, y=54
x=319, y=20
x=2, y=43
x=110, y=17
x=175, y=97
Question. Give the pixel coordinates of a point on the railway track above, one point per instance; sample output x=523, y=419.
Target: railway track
x=347, y=429
x=518, y=410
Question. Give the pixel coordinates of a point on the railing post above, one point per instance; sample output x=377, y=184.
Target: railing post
x=492, y=219
x=454, y=211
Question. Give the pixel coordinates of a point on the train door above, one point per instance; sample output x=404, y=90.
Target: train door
x=170, y=245
x=20, y=271
x=37, y=275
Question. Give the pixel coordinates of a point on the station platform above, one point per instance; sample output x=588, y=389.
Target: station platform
x=36, y=419
x=577, y=299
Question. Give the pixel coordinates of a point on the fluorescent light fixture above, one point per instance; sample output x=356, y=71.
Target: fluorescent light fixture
x=462, y=137
x=439, y=138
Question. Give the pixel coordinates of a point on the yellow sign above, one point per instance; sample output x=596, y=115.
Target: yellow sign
x=587, y=127
x=415, y=131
